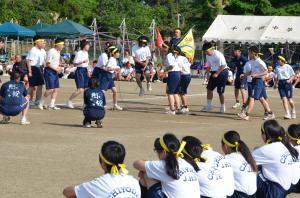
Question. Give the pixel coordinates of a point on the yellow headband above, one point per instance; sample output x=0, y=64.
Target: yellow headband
x=114, y=51
x=165, y=45
x=195, y=159
x=114, y=169
x=235, y=145
x=39, y=40
x=209, y=49
x=111, y=47
x=206, y=146
x=293, y=138
x=178, y=153
x=60, y=43
x=260, y=54
x=281, y=58
x=144, y=41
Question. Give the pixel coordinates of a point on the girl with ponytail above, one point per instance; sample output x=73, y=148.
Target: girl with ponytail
x=170, y=176
x=212, y=181
x=276, y=158
x=243, y=165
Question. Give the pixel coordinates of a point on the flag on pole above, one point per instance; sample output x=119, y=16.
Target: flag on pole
x=159, y=40
x=187, y=45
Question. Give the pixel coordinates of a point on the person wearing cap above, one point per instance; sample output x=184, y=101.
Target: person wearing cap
x=284, y=78
x=51, y=74
x=114, y=183
x=81, y=62
x=35, y=62
x=257, y=71
x=141, y=54
x=217, y=73
x=238, y=63
x=106, y=79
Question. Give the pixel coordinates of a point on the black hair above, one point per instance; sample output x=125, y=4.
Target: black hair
x=113, y=152
x=94, y=83
x=15, y=75
x=294, y=130
x=194, y=150
x=2, y=40
x=37, y=37
x=95, y=61
x=206, y=46
x=83, y=43
x=173, y=145
x=275, y=133
x=232, y=137
x=58, y=40
x=254, y=49
x=237, y=48
x=143, y=38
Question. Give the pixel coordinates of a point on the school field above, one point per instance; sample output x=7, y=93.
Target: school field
x=53, y=152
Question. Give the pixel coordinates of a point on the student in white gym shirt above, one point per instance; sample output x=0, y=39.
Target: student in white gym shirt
x=114, y=183
x=170, y=176
x=243, y=165
x=211, y=180
x=276, y=161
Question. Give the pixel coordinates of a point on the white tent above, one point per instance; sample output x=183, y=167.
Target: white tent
x=254, y=29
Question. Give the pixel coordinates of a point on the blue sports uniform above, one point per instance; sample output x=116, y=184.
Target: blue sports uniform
x=94, y=100
x=238, y=66
x=13, y=98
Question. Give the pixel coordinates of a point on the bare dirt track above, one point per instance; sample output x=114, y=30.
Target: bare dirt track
x=41, y=159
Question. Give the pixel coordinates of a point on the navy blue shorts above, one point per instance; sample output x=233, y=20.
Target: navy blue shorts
x=37, y=77
x=106, y=81
x=184, y=83
x=268, y=189
x=258, y=89
x=285, y=89
x=237, y=82
x=13, y=110
x=219, y=82
x=139, y=69
x=81, y=78
x=51, y=78
x=244, y=84
x=97, y=72
x=92, y=114
x=238, y=194
x=173, y=82
x=155, y=191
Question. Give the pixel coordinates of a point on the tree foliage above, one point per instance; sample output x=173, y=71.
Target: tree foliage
x=139, y=13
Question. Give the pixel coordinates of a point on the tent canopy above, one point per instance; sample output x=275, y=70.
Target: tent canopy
x=65, y=29
x=39, y=26
x=15, y=30
x=254, y=29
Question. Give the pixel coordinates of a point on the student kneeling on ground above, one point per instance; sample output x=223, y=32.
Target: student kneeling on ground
x=114, y=183
x=13, y=99
x=94, y=102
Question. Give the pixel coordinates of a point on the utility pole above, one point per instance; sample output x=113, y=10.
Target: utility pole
x=152, y=33
x=123, y=30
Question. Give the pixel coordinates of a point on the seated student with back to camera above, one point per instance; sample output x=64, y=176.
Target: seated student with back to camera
x=94, y=103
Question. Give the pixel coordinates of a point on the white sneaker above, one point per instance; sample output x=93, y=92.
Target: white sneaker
x=206, y=108
x=70, y=104
x=294, y=116
x=117, y=107
x=25, y=122
x=87, y=125
x=142, y=92
x=41, y=106
x=184, y=110
x=243, y=116
x=53, y=108
x=171, y=112
x=269, y=116
x=222, y=109
x=149, y=87
x=236, y=105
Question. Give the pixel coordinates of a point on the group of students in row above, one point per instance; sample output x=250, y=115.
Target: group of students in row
x=250, y=81
x=189, y=168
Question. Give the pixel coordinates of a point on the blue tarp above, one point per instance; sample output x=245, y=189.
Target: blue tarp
x=65, y=29
x=39, y=26
x=15, y=30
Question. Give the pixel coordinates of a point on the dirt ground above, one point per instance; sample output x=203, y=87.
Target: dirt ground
x=53, y=152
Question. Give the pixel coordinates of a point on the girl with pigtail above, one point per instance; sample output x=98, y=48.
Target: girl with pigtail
x=171, y=175
x=276, y=160
x=243, y=165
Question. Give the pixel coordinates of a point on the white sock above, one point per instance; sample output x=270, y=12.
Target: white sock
x=287, y=113
x=222, y=105
x=294, y=110
x=209, y=103
x=24, y=118
x=52, y=102
x=42, y=100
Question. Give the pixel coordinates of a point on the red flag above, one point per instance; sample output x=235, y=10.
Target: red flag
x=159, y=40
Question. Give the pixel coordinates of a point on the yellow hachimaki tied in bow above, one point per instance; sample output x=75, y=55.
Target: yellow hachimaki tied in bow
x=114, y=169
x=235, y=145
x=178, y=153
x=293, y=138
